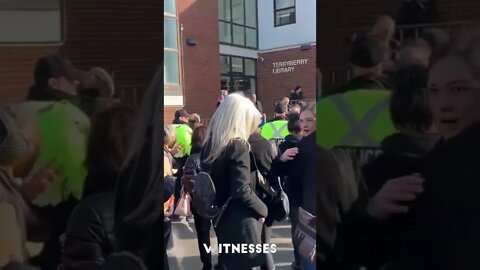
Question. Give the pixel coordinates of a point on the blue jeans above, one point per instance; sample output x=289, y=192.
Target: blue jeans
x=307, y=265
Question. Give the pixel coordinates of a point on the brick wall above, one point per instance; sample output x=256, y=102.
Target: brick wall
x=336, y=20
x=201, y=62
x=273, y=87
x=16, y=70
x=169, y=114
x=123, y=36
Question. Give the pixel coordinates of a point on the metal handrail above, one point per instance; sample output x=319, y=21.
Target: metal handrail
x=418, y=28
x=339, y=75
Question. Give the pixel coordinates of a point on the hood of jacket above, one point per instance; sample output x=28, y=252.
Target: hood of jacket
x=414, y=145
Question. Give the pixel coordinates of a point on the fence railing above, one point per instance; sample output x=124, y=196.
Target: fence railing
x=417, y=30
x=336, y=76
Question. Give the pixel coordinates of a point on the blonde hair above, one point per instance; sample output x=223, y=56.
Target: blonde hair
x=235, y=118
x=384, y=28
x=103, y=81
x=465, y=46
x=312, y=107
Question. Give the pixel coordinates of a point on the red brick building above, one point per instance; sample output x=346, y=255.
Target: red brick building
x=123, y=36
x=235, y=48
x=274, y=85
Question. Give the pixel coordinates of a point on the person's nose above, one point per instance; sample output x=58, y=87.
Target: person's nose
x=445, y=102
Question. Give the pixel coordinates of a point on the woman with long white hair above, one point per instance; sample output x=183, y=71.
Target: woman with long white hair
x=226, y=156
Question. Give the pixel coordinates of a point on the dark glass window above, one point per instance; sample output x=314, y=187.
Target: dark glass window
x=284, y=12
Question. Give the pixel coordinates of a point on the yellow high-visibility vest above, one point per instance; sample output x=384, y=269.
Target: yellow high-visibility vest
x=276, y=130
x=359, y=118
x=183, y=134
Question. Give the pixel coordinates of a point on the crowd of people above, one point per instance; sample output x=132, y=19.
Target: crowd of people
x=79, y=177
x=396, y=184
x=393, y=165
x=246, y=155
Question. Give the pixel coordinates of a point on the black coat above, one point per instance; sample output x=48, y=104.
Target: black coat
x=443, y=229
x=190, y=170
x=124, y=262
x=304, y=171
x=292, y=189
x=364, y=240
x=296, y=96
x=89, y=235
x=264, y=152
x=239, y=224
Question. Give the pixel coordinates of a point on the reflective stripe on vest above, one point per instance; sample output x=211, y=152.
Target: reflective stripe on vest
x=183, y=134
x=359, y=118
x=275, y=130
x=359, y=127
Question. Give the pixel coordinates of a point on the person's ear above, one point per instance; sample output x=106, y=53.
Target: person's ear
x=53, y=83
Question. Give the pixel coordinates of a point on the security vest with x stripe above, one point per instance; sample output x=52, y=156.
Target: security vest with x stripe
x=359, y=118
x=275, y=130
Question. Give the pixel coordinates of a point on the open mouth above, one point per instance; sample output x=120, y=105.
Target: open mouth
x=449, y=121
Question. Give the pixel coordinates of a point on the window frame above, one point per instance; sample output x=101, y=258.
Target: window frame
x=275, y=10
x=245, y=26
x=175, y=89
x=231, y=76
x=63, y=32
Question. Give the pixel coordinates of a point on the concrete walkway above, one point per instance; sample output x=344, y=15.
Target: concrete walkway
x=183, y=251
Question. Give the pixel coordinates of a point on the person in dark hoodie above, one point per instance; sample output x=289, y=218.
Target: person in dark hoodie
x=304, y=167
x=367, y=58
x=55, y=78
x=441, y=205
x=89, y=235
x=292, y=190
x=264, y=152
x=443, y=230
x=181, y=117
x=378, y=244
x=191, y=169
x=140, y=192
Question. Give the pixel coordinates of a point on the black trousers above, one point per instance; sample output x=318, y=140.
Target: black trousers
x=167, y=231
x=293, y=215
x=266, y=238
x=203, y=226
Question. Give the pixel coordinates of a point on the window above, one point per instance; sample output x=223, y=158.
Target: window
x=170, y=72
x=170, y=33
x=31, y=21
x=224, y=10
x=251, y=13
x=284, y=12
x=238, y=35
x=170, y=6
x=172, y=65
x=238, y=73
x=225, y=32
x=238, y=22
x=225, y=64
x=250, y=67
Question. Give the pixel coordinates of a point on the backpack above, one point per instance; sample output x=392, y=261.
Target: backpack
x=204, y=198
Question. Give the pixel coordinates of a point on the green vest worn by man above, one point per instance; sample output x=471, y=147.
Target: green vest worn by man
x=63, y=129
x=276, y=130
x=183, y=135
x=358, y=118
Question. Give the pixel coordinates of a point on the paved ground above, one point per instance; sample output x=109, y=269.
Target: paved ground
x=183, y=250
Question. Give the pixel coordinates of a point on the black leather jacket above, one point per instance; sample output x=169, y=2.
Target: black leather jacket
x=90, y=233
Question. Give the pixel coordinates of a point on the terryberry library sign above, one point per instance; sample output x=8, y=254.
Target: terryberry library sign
x=287, y=66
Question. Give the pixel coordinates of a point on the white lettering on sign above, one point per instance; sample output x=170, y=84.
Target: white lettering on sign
x=287, y=66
